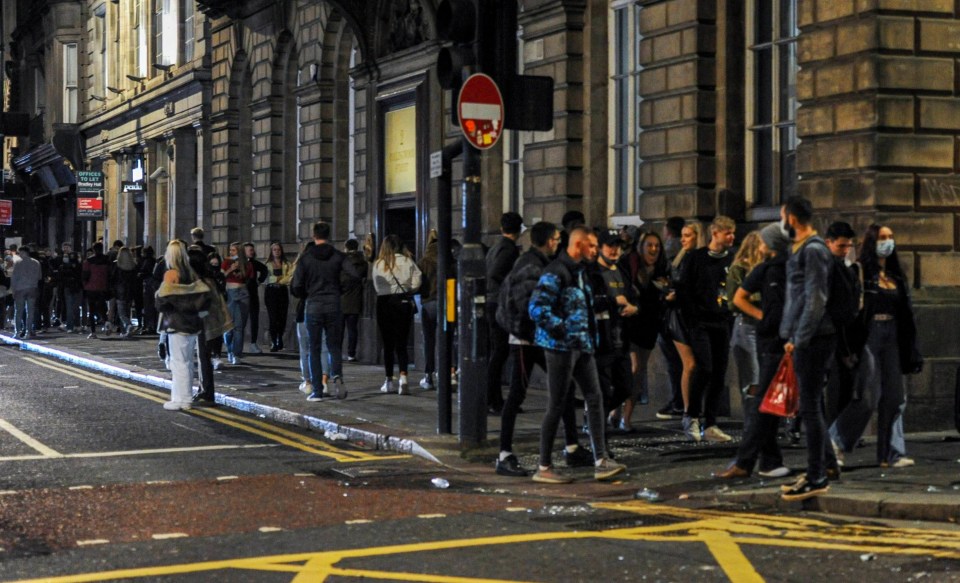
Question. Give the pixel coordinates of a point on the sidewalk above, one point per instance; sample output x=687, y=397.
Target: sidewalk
x=658, y=456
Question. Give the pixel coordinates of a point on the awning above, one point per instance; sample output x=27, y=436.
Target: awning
x=45, y=171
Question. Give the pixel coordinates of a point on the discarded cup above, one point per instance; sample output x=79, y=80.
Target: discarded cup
x=440, y=483
x=648, y=495
x=867, y=557
x=932, y=489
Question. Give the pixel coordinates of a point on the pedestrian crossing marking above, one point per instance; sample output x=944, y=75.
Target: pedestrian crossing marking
x=254, y=426
x=723, y=533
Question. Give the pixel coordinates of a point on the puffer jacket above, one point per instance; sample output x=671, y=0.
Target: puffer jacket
x=513, y=311
x=218, y=321
x=562, y=308
x=183, y=306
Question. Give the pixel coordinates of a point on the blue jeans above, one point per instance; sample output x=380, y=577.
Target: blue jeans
x=811, y=363
x=324, y=326
x=238, y=304
x=25, y=308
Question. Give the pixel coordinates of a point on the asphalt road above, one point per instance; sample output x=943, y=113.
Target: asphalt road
x=99, y=483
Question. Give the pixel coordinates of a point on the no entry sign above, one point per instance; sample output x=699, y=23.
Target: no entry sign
x=480, y=109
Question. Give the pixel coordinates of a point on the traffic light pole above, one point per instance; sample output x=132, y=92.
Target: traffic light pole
x=473, y=327
x=444, y=273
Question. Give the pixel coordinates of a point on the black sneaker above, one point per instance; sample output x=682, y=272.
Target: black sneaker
x=511, y=467
x=804, y=490
x=670, y=412
x=580, y=458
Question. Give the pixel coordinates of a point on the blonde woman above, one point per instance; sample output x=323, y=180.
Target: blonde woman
x=395, y=278
x=744, y=338
x=182, y=301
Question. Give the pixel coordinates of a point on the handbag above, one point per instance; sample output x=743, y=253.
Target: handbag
x=406, y=298
x=783, y=395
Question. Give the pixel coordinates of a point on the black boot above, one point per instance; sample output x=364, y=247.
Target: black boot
x=274, y=343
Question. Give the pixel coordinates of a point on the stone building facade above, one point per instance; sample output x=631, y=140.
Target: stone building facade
x=283, y=113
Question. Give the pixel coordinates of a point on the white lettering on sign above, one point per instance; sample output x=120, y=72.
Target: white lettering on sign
x=484, y=111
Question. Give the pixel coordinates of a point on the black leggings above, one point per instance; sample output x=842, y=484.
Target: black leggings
x=394, y=324
x=277, y=300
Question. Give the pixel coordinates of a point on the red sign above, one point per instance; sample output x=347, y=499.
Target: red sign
x=480, y=110
x=89, y=208
x=6, y=212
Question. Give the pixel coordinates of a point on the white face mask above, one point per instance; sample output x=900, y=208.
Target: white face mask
x=885, y=248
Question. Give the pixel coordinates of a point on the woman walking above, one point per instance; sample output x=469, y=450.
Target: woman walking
x=395, y=278
x=237, y=270
x=891, y=335
x=123, y=283
x=277, y=294
x=180, y=300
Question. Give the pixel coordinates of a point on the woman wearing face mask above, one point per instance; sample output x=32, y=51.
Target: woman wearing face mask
x=891, y=336
x=237, y=270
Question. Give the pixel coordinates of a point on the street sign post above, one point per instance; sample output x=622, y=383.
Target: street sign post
x=480, y=109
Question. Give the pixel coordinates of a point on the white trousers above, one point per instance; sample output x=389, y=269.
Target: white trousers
x=182, y=364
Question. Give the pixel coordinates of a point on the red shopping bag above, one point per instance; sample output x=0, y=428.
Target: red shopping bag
x=783, y=394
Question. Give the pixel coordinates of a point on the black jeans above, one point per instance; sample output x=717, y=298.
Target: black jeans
x=562, y=368
x=499, y=351
x=149, y=308
x=760, y=429
x=710, y=344
x=96, y=308
x=351, y=327
x=394, y=323
x=428, y=327
x=277, y=299
x=616, y=379
x=525, y=357
x=811, y=364
x=674, y=370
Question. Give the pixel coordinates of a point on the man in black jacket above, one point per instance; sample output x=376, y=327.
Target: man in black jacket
x=317, y=280
x=500, y=260
x=261, y=273
x=515, y=319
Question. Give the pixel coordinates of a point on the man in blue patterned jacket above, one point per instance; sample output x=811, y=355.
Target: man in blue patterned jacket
x=562, y=309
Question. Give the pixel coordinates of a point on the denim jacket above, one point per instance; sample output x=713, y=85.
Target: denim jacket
x=562, y=308
x=808, y=288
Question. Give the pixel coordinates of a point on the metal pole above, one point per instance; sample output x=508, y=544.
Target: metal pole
x=472, y=320
x=444, y=272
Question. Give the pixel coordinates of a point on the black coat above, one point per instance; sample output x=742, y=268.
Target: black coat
x=911, y=361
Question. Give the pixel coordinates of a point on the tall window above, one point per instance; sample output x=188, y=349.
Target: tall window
x=164, y=29
x=772, y=101
x=104, y=70
x=138, y=50
x=70, y=89
x=624, y=129
x=189, y=33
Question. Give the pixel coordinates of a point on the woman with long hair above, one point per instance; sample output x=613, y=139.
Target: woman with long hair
x=651, y=277
x=744, y=338
x=691, y=238
x=277, y=294
x=180, y=300
x=428, y=304
x=123, y=282
x=890, y=337
x=395, y=278
x=237, y=270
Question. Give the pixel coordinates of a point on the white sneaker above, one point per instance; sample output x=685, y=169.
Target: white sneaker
x=231, y=359
x=403, y=387
x=904, y=462
x=306, y=388
x=427, y=382
x=387, y=386
x=781, y=472
x=838, y=453
x=716, y=435
x=175, y=406
x=326, y=391
x=691, y=427
x=255, y=349
x=217, y=363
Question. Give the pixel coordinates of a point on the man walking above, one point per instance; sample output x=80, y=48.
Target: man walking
x=562, y=309
x=500, y=260
x=811, y=338
x=317, y=281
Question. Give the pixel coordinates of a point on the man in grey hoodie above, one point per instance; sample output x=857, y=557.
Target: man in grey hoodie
x=23, y=284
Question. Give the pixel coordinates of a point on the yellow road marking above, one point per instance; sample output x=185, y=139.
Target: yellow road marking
x=45, y=451
x=256, y=427
x=732, y=560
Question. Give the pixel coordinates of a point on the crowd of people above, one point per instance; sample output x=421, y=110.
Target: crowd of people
x=587, y=305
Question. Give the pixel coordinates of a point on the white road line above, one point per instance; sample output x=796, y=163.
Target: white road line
x=167, y=535
x=95, y=541
x=46, y=451
x=431, y=516
x=516, y=509
x=98, y=454
x=270, y=529
x=359, y=521
x=80, y=488
x=225, y=478
x=7, y=492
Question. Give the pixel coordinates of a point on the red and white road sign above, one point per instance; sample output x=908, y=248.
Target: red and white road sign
x=480, y=110
x=6, y=212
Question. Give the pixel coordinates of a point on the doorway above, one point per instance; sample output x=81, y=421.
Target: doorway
x=402, y=222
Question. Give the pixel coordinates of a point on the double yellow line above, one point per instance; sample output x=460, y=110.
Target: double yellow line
x=219, y=415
